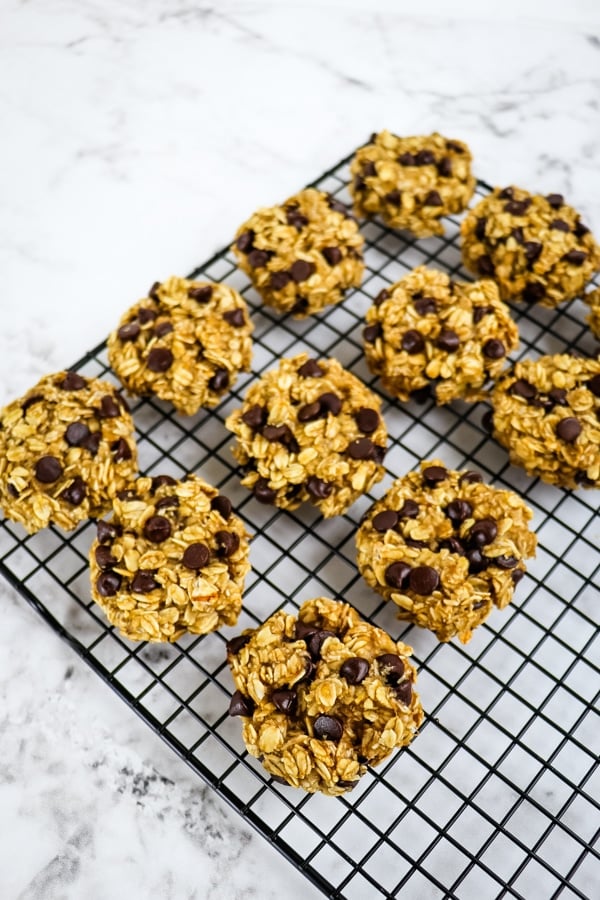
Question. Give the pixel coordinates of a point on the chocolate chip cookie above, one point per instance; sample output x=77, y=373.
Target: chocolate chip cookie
x=322, y=696
x=186, y=342
x=172, y=559
x=66, y=448
x=445, y=548
x=428, y=329
x=535, y=247
x=546, y=412
x=411, y=182
x=302, y=255
x=309, y=431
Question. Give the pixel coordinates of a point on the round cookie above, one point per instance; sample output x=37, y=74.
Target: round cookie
x=430, y=330
x=546, y=412
x=66, y=448
x=309, y=431
x=322, y=695
x=172, y=559
x=411, y=182
x=186, y=342
x=536, y=248
x=445, y=548
x=593, y=301
x=303, y=255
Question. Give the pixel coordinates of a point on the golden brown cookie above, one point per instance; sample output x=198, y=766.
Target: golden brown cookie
x=411, y=182
x=186, y=343
x=303, y=255
x=66, y=448
x=445, y=548
x=322, y=695
x=172, y=559
x=428, y=329
x=309, y=431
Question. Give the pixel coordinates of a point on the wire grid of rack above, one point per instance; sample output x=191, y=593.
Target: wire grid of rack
x=498, y=796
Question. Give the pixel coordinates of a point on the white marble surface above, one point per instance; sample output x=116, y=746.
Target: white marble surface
x=135, y=137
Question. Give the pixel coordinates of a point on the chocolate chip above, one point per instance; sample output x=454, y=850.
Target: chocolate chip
x=202, y=293
x=504, y=562
x=228, y=543
x=413, y=542
x=332, y=254
x=532, y=250
x=129, y=332
x=144, y=582
x=433, y=199
x=300, y=307
x=317, y=488
x=477, y=562
x=487, y=420
x=245, y=241
x=480, y=228
x=385, y=520
x=295, y=217
x=109, y=409
x=302, y=630
x=444, y=167
x=285, y=701
x=257, y=259
x=480, y=311
x=160, y=359
x=73, y=382
x=367, y=419
x=517, y=207
x=337, y=206
x=368, y=169
x=372, y=332
x=485, y=266
x=423, y=580
x=279, y=280
x=315, y=641
x=107, y=532
x=145, y=315
x=448, y=340
x=310, y=369
x=126, y=494
x=235, y=317
x=355, y=669
x=579, y=229
x=104, y=558
x=359, y=184
x=406, y=159
x=453, y=545
x=262, y=492
x=522, y=388
x=470, y=477
x=559, y=225
x=517, y=575
x=361, y=448
x=555, y=200
x=219, y=381
x=166, y=503
x=394, y=198
x=328, y=728
x=568, y=429
x=403, y=692
x=452, y=145
x=434, y=474
x=222, y=505
x=575, y=257
x=157, y=529
x=534, y=292
x=381, y=296
x=507, y=193
x=108, y=583
x=558, y=396
x=236, y=643
x=255, y=416
x=76, y=434
x=75, y=493
x=494, y=349
x=163, y=328
x=120, y=450
x=425, y=305
x=483, y=532
x=48, y=469
x=518, y=234
x=459, y=510
x=593, y=385
x=330, y=402
x=396, y=575
x=195, y=556
x=160, y=480
x=391, y=667
x=309, y=412
x=412, y=341
x=300, y=270
x=240, y=705
x=408, y=510
x=424, y=158
x=273, y=433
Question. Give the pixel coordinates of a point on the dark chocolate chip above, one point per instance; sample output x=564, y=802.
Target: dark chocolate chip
x=558, y=396
x=485, y=266
x=120, y=450
x=579, y=229
x=240, y=705
x=361, y=448
x=330, y=403
x=228, y=543
x=518, y=234
x=219, y=381
x=163, y=328
x=406, y=159
x=494, y=349
x=381, y=296
x=255, y=416
x=575, y=257
x=384, y=520
x=593, y=385
x=309, y=412
x=295, y=218
x=144, y=582
x=391, y=667
x=202, y=293
x=129, y=332
x=424, y=158
x=310, y=369
x=153, y=292
x=333, y=255
x=262, y=492
x=285, y=701
x=355, y=669
x=236, y=643
x=424, y=305
x=413, y=542
x=403, y=692
x=517, y=207
x=448, y=340
x=555, y=200
x=444, y=167
x=477, y=562
x=195, y=556
x=459, y=510
x=166, y=503
x=434, y=474
x=302, y=630
x=160, y=359
x=245, y=241
x=159, y=480
x=107, y=532
x=300, y=270
x=257, y=259
x=470, y=477
x=559, y=225
x=315, y=641
x=480, y=228
x=337, y=206
x=507, y=193
x=367, y=419
x=452, y=145
x=317, y=488
x=48, y=469
x=433, y=199
x=368, y=169
x=397, y=574
x=523, y=388
x=328, y=728
x=487, y=420
x=279, y=280
x=235, y=317
x=109, y=409
x=568, y=429
x=300, y=307
x=273, y=433
x=453, y=545
x=359, y=184
x=483, y=532
x=412, y=341
x=108, y=583
x=409, y=509
x=73, y=382
x=75, y=493
x=480, y=311
x=146, y=315
x=76, y=434
x=504, y=562
x=222, y=505
x=532, y=250
x=372, y=332
x=517, y=575
x=534, y=292
x=104, y=557
x=157, y=529
x=394, y=198
x=423, y=580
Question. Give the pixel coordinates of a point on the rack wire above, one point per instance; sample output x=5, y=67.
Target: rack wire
x=498, y=796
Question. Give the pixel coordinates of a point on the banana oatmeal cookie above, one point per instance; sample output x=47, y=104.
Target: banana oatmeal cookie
x=66, y=448
x=303, y=255
x=593, y=301
x=428, y=329
x=546, y=412
x=411, y=182
x=322, y=695
x=172, y=559
x=536, y=248
x=445, y=548
x=309, y=431
x=185, y=342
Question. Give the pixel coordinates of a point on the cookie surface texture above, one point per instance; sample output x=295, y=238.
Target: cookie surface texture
x=309, y=431
x=411, y=182
x=66, y=448
x=185, y=343
x=445, y=548
x=430, y=330
x=593, y=301
x=535, y=247
x=322, y=695
x=172, y=559
x=546, y=412
x=303, y=255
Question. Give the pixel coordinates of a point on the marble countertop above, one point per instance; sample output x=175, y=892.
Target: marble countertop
x=136, y=137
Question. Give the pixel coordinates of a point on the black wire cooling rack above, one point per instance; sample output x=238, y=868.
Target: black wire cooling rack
x=498, y=796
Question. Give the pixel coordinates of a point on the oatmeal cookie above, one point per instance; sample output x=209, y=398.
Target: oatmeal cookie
x=536, y=248
x=430, y=330
x=309, y=431
x=445, y=548
x=411, y=182
x=593, y=301
x=66, y=448
x=546, y=412
x=172, y=559
x=185, y=342
x=303, y=255
x=322, y=695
